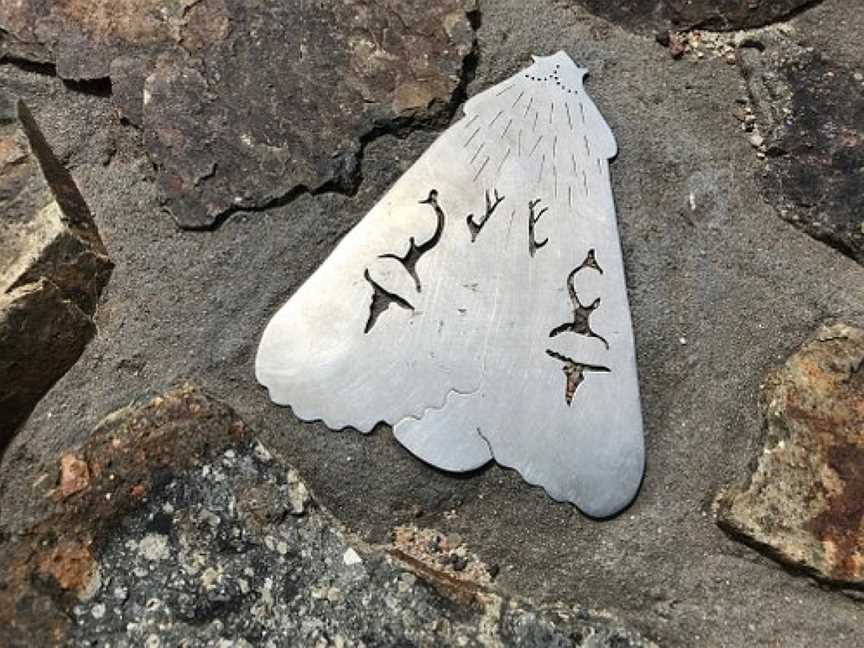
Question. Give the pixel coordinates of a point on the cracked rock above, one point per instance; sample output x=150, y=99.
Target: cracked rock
x=804, y=502
x=197, y=545
x=681, y=15
x=244, y=103
x=811, y=110
x=53, y=267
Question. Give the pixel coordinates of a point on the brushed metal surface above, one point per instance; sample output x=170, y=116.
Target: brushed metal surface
x=480, y=307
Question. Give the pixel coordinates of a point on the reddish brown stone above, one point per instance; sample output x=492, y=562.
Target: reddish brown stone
x=74, y=474
x=804, y=502
x=70, y=564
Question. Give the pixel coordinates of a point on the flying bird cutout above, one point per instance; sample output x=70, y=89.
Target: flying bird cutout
x=480, y=307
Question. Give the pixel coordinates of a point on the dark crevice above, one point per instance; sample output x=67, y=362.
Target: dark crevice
x=274, y=203
x=574, y=373
x=42, y=68
x=98, y=87
x=381, y=301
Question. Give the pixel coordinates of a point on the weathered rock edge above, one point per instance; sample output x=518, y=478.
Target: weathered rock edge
x=803, y=504
x=245, y=104
x=681, y=15
x=53, y=267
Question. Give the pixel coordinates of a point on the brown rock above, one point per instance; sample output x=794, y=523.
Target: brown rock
x=53, y=267
x=70, y=564
x=804, y=502
x=244, y=103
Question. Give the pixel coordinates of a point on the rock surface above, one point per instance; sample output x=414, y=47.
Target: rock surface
x=53, y=267
x=192, y=532
x=810, y=110
x=243, y=104
x=721, y=290
x=680, y=15
x=804, y=502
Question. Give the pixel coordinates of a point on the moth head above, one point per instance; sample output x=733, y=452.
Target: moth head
x=558, y=71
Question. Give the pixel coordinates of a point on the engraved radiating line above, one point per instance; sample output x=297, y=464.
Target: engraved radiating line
x=510, y=224
x=492, y=123
x=472, y=120
x=573, y=159
x=587, y=145
x=585, y=182
x=503, y=160
x=599, y=167
x=569, y=196
x=582, y=111
x=542, y=164
x=551, y=112
x=500, y=92
x=555, y=178
x=473, y=135
x=507, y=128
x=536, y=144
x=569, y=116
x=528, y=107
x=519, y=143
x=518, y=99
x=536, y=115
x=555, y=147
x=480, y=170
x=477, y=152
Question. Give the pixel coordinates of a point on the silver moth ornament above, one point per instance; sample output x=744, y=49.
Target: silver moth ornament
x=480, y=307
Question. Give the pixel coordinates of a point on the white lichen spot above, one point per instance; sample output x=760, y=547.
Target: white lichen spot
x=98, y=611
x=406, y=582
x=297, y=493
x=351, y=557
x=211, y=577
x=154, y=546
x=262, y=453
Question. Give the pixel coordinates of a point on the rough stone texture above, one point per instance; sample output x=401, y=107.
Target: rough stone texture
x=245, y=103
x=190, y=532
x=53, y=267
x=721, y=289
x=810, y=111
x=680, y=15
x=805, y=500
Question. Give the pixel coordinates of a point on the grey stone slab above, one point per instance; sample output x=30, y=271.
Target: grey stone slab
x=721, y=288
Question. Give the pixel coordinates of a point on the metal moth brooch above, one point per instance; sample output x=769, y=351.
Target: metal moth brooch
x=480, y=307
